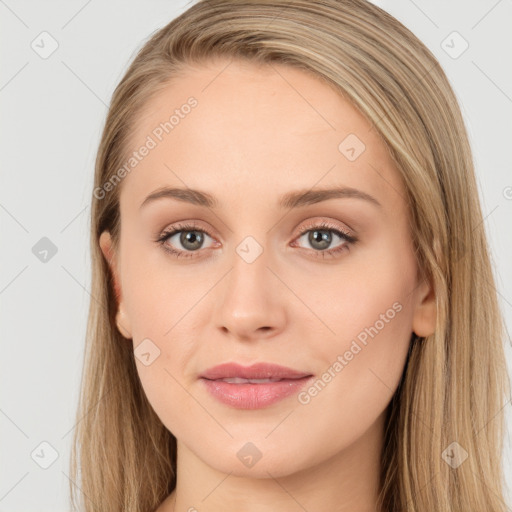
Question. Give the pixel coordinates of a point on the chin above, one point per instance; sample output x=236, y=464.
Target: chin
x=250, y=461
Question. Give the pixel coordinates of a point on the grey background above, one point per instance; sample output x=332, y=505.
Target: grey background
x=52, y=112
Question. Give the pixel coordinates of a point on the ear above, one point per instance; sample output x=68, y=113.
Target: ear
x=122, y=320
x=425, y=312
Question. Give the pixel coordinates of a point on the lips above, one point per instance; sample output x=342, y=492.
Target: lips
x=253, y=387
x=255, y=372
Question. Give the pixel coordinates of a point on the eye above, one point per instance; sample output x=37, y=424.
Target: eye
x=321, y=236
x=189, y=236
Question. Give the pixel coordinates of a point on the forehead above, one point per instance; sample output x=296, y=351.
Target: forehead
x=232, y=127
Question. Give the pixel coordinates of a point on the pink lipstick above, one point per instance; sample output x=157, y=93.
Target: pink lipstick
x=253, y=387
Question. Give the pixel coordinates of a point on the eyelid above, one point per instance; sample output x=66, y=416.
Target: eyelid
x=183, y=226
x=321, y=223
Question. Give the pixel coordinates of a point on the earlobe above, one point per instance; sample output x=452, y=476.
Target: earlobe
x=122, y=320
x=425, y=314
x=123, y=323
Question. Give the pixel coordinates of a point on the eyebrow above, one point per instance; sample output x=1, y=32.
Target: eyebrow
x=289, y=200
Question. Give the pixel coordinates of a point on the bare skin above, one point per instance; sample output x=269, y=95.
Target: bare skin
x=258, y=133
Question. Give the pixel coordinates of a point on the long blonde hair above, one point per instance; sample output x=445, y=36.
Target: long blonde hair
x=455, y=382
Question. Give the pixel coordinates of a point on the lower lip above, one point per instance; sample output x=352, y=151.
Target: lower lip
x=254, y=396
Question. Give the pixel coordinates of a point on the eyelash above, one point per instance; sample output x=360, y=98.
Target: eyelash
x=321, y=226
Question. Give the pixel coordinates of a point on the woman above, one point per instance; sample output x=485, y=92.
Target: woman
x=294, y=303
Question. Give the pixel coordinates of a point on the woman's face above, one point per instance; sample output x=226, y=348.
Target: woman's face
x=272, y=269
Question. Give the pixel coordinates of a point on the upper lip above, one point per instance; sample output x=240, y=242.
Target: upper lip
x=255, y=371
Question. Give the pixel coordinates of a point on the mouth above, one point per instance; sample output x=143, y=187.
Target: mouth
x=254, y=387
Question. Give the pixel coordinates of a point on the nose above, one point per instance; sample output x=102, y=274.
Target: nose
x=250, y=301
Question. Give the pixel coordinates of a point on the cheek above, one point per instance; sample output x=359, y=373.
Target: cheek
x=153, y=296
x=160, y=317
x=369, y=308
x=163, y=302
x=371, y=282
